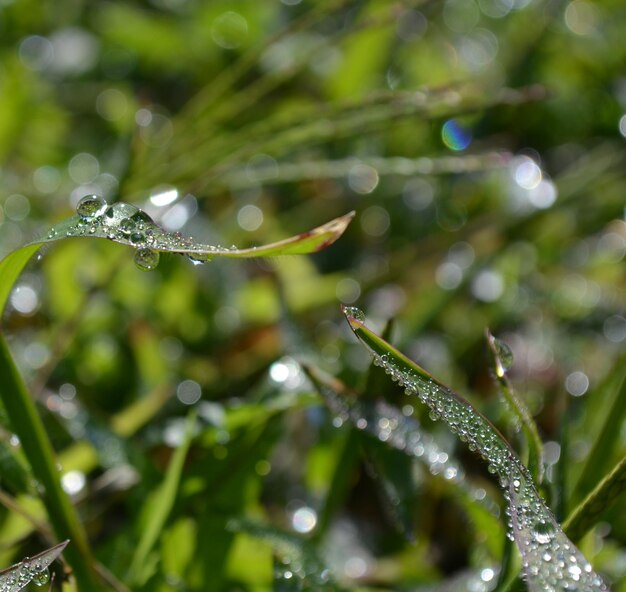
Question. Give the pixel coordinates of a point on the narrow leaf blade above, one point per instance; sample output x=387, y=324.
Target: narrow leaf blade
x=18, y=576
x=551, y=561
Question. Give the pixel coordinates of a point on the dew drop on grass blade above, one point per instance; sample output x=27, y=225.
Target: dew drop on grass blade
x=31, y=569
x=128, y=225
x=551, y=561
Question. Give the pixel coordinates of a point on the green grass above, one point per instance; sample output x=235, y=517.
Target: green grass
x=246, y=123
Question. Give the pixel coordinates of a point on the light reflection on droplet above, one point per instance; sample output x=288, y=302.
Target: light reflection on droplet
x=73, y=482
x=448, y=275
x=250, y=217
x=188, y=392
x=622, y=125
x=287, y=373
x=411, y=24
x=263, y=468
x=375, y=221
x=36, y=355
x=164, y=196
x=496, y=8
x=461, y=254
x=362, y=178
x=527, y=173
x=36, y=52
x=418, y=194
x=581, y=17
x=304, y=519
x=355, y=567
x=67, y=391
x=543, y=195
x=262, y=167
x=577, y=383
x=455, y=136
x=111, y=104
x=551, y=452
x=47, y=179
x=84, y=168
x=16, y=207
x=488, y=285
x=614, y=328
x=229, y=30
x=75, y=51
x=25, y=300
x=348, y=290
x=227, y=319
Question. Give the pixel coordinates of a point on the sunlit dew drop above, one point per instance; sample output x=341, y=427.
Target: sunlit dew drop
x=543, y=532
x=146, y=259
x=355, y=313
x=42, y=578
x=455, y=136
x=91, y=206
x=504, y=357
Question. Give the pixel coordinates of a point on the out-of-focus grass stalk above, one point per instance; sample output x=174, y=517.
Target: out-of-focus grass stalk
x=28, y=426
x=601, y=498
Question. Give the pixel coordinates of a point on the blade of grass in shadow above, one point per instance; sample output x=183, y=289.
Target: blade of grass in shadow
x=503, y=360
x=159, y=506
x=28, y=426
x=608, y=434
x=599, y=501
x=31, y=569
x=387, y=425
x=550, y=559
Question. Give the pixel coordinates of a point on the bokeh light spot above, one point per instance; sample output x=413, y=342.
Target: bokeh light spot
x=455, y=136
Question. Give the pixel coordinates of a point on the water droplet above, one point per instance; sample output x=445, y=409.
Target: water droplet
x=543, y=532
x=146, y=259
x=504, y=357
x=355, y=313
x=42, y=578
x=91, y=206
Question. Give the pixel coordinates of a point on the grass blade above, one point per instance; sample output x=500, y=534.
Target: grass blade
x=38, y=450
x=600, y=500
x=535, y=447
x=542, y=543
x=30, y=569
x=128, y=225
x=160, y=505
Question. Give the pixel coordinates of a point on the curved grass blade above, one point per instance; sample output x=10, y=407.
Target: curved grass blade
x=503, y=359
x=30, y=569
x=551, y=561
x=128, y=225
x=388, y=425
x=590, y=510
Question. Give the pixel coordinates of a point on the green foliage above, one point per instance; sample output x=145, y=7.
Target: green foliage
x=481, y=145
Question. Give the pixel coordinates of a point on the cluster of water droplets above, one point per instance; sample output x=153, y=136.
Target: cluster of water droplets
x=34, y=569
x=390, y=425
x=551, y=561
x=127, y=224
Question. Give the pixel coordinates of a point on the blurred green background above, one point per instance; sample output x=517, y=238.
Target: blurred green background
x=481, y=143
